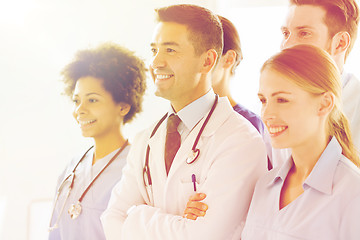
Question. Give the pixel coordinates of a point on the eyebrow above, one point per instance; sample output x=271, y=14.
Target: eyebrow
x=165, y=44
x=88, y=94
x=93, y=93
x=275, y=93
x=298, y=27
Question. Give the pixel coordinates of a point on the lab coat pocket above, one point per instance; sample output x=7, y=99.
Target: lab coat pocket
x=190, y=185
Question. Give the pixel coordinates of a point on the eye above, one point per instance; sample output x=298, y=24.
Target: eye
x=75, y=101
x=281, y=100
x=154, y=51
x=170, y=50
x=304, y=34
x=262, y=100
x=285, y=33
x=93, y=100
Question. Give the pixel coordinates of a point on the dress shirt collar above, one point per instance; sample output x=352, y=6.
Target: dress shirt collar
x=322, y=175
x=191, y=114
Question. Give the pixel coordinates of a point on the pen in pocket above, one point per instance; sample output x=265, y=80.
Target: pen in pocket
x=193, y=178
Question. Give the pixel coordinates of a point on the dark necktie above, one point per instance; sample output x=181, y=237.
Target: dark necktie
x=173, y=140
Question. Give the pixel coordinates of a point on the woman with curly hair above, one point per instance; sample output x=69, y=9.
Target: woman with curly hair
x=106, y=85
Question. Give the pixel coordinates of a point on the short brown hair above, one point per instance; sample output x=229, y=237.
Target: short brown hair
x=204, y=26
x=121, y=72
x=341, y=15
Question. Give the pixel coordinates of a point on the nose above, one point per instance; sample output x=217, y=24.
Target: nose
x=79, y=108
x=158, y=61
x=268, y=112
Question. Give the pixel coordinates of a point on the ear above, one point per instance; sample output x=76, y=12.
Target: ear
x=124, y=109
x=209, y=61
x=340, y=43
x=326, y=105
x=229, y=58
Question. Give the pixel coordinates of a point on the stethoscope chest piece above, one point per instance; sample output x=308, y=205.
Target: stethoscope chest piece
x=193, y=155
x=75, y=210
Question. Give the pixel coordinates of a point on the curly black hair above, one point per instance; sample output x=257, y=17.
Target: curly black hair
x=121, y=72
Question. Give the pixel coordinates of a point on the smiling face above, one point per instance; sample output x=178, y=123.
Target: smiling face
x=305, y=25
x=94, y=109
x=175, y=67
x=289, y=112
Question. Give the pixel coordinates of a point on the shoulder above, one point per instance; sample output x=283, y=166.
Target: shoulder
x=80, y=156
x=346, y=179
x=269, y=178
x=250, y=116
x=146, y=133
x=352, y=83
x=231, y=122
x=350, y=170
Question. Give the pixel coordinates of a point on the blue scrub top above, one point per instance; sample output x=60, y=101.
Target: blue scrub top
x=87, y=225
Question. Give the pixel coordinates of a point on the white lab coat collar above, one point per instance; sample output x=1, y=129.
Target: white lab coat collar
x=195, y=111
x=221, y=113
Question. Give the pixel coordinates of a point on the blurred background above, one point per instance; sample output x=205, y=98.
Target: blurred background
x=38, y=135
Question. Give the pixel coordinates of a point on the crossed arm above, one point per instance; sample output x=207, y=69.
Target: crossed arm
x=145, y=220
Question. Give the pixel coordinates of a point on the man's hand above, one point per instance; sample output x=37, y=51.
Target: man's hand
x=195, y=208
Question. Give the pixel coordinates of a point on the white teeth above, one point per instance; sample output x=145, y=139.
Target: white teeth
x=163, y=76
x=273, y=130
x=86, y=122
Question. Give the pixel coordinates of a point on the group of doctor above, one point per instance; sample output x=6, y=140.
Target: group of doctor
x=206, y=169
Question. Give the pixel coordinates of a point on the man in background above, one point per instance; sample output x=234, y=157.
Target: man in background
x=225, y=71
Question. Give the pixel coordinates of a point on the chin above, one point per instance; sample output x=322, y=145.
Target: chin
x=279, y=144
x=87, y=135
x=162, y=94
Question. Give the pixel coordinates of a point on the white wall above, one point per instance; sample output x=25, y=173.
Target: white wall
x=37, y=133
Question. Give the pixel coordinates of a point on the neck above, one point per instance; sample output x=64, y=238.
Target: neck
x=340, y=61
x=222, y=87
x=106, y=145
x=306, y=156
x=200, y=90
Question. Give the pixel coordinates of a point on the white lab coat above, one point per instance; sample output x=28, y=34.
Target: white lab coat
x=232, y=158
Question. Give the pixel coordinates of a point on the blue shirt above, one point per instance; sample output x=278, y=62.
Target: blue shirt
x=329, y=207
x=87, y=225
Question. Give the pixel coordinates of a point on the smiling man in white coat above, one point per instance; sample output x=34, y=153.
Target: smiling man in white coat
x=219, y=152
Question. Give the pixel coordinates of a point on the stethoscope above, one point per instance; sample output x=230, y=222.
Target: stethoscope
x=192, y=157
x=62, y=185
x=75, y=209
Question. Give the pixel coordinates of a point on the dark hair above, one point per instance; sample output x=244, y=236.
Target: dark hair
x=121, y=72
x=231, y=40
x=204, y=26
x=341, y=15
x=313, y=70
